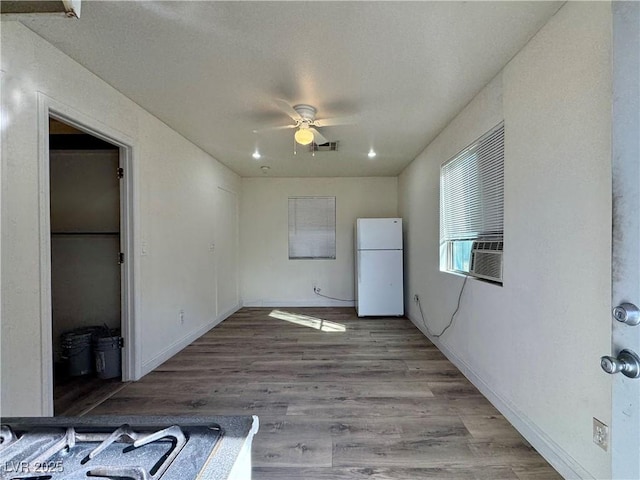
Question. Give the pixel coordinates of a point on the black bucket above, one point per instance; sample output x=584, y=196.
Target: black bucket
x=107, y=354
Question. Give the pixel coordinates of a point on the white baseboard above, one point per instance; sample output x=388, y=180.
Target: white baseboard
x=183, y=342
x=559, y=459
x=322, y=302
x=227, y=314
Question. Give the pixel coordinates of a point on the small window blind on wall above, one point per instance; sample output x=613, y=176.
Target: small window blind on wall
x=312, y=227
x=472, y=190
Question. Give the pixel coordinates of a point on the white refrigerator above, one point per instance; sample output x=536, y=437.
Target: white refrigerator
x=379, y=277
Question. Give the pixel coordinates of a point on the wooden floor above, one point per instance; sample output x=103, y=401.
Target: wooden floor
x=76, y=396
x=338, y=398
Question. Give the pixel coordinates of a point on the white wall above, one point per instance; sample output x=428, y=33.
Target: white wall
x=176, y=187
x=268, y=276
x=533, y=346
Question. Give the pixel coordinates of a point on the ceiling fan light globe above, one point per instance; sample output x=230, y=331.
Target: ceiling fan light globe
x=303, y=136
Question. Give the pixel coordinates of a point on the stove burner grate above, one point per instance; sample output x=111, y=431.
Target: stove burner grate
x=74, y=453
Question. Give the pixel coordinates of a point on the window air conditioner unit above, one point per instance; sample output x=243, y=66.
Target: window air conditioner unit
x=486, y=260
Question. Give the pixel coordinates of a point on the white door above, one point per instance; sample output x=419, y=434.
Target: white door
x=625, y=428
x=380, y=281
x=226, y=251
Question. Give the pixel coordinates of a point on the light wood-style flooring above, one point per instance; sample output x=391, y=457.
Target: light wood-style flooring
x=338, y=398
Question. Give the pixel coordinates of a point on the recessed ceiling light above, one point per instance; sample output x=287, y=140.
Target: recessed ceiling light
x=371, y=153
x=256, y=155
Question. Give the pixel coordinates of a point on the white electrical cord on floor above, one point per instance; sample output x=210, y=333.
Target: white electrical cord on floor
x=453, y=316
x=316, y=290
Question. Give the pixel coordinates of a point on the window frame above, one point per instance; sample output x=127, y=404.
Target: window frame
x=470, y=159
x=330, y=229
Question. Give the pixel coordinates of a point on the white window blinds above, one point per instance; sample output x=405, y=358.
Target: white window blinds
x=312, y=227
x=472, y=190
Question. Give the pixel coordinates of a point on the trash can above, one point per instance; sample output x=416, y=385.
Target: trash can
x=76, y=350
x=107, y=348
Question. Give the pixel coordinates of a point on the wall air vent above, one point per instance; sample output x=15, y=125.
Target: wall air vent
x=486, y=260
x=324, y=147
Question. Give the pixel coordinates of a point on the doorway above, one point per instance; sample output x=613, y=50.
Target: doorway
x=85, y=201
x=227, y=292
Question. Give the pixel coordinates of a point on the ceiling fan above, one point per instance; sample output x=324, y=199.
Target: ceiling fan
x=306, y=124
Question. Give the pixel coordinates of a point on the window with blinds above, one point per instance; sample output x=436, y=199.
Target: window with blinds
x=312, y=227
x=471, y=200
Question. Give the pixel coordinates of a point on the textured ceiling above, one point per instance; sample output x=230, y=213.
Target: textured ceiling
x=211, y=70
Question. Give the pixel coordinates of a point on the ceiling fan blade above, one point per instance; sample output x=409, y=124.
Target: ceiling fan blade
x=330, y=122
x=270, y=129
x=318, y=138
x=288, y=109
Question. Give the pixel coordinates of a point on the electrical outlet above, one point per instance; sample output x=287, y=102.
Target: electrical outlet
x=416, y=298
x=181, y=317
x=600, y=434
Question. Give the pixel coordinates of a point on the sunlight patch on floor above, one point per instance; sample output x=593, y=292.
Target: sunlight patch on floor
x=311, y=322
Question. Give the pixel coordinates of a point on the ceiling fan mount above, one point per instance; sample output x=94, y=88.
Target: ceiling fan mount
x=307, y=113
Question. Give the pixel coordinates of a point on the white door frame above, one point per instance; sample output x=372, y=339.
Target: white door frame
x=223, y=314
x=131, y=367
x=625, y=415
